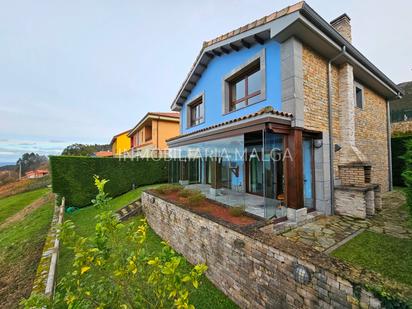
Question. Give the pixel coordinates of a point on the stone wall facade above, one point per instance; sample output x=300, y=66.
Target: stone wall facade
x=370, y=122
x=253, y=269
x=401, y=127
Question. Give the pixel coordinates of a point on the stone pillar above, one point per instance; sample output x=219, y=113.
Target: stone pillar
x=322, y=175
x=292, y=80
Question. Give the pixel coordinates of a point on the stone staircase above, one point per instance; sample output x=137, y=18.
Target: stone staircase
x=133, y=209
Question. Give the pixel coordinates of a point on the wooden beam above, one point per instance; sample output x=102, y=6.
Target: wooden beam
x=294, y=170
x=244, y=43
x=202, y=65
x=191, y=83
x=197, y=75
x=225, y=50
x=234, y=47
x=209, y=55
x=259, y=39
x=216, y=53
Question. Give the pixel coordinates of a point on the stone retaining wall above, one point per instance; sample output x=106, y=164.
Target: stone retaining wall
x=44, y=282
x=254, y=269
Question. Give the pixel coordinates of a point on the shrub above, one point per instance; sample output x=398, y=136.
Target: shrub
x=407, y=173
x=195, y=198
x=185, y=193
x=237, y=211
x=168, y=188
x=72, y=176
x=399, y=148
x=113, y=268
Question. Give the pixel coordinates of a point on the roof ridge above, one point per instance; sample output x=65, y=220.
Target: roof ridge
x=263, y=20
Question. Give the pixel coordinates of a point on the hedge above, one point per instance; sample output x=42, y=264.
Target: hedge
x=72, y=177
x=398, y=164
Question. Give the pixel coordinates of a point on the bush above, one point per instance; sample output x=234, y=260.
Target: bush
x=168, y=188
x=195, y=198
x=72, y=177
x=407, y=173
x=398, y=145
x=114, y=268
x=185, y=193
x=237, y=211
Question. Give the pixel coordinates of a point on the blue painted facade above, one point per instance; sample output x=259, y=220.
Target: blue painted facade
x=211, y=84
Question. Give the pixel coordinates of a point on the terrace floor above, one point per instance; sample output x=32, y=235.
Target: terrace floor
x=329, y=232
x=254, y=204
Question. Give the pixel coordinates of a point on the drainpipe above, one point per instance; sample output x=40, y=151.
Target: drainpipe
x=330, y=120
x=388, y=127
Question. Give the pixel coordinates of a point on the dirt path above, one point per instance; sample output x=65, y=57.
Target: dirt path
x=26, y=210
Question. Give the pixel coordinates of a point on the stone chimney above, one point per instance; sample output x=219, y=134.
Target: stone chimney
x=342, y=25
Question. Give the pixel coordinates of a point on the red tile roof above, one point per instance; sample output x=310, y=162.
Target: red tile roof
x=266, y=110
x=166, y=114
x=101, y=154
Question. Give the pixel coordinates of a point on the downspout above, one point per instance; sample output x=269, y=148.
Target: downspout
x=388, y=127
x=330, y=122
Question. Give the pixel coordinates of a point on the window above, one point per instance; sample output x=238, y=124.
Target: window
x=195, y=112
x=245, y=85
x=148, y=133
x=359, y=95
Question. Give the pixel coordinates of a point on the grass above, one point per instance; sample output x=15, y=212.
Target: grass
x=382, y=253
x=20, y=250
x=206, y=296
x=13, y=204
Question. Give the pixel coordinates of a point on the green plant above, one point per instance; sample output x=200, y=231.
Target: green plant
x=407, y=173
x=168, y=188
x=72, y=176
x=102, y=198
x=237, y=211
x=195, y=198
x=185, y=193
x=113, y=268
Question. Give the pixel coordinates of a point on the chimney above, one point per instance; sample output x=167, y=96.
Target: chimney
x=342, y=25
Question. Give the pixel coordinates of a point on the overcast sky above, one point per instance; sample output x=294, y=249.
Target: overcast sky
x=81, y=71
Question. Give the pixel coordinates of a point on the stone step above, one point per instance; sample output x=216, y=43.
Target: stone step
x=133, y=209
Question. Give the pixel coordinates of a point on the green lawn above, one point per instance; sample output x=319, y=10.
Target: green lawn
x=388, y=255
x=21, y=245
x=207, y=296
x=12, y=204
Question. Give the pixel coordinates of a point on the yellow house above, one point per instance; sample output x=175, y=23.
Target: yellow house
x=120, y=143
x=149, y=136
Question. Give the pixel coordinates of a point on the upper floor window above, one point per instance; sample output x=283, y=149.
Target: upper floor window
x=196, y=111
x=245, y=85
x=148, y=133
x=359, y=95
x=245, y=89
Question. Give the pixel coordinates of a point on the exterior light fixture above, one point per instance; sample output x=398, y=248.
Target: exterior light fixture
x=301, y=274
x=337, y=147
x=318, y=143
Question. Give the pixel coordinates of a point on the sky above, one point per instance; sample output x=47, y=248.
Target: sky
x=82, y=71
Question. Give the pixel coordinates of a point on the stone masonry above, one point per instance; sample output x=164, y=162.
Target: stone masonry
x=370, y=131
x=258, y=270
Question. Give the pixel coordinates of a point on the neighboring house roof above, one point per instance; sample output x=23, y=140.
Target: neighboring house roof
x=102, y=154
x=167, y=116
x=264, y=111
x=117, y=135
x=298, y=20
x=37, y=172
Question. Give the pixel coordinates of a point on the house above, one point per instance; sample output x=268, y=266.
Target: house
x=102, y=154
x=120, y=143
x=401, y=110
x=284, y=116
x=36, y=173
x=148, y=137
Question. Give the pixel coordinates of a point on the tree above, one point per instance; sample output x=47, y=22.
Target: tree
x=30, y=161
x=84, y=149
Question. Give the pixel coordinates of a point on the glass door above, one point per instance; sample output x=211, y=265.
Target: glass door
x=308, y=173
x=255, y=173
